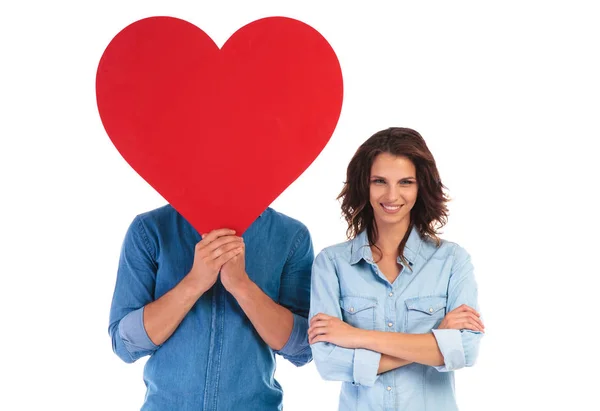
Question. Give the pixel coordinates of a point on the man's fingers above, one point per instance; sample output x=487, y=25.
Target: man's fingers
x=215, y=254
x=225, y=257
x=218, y=242
x=219, y=251
x=213, y=235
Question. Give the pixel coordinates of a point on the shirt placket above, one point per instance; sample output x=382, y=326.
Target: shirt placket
x=213, y=368
x=400, y=286
x=390, y=326
x=389, y=313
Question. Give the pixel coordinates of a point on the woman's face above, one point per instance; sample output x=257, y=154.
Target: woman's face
x=393, y=189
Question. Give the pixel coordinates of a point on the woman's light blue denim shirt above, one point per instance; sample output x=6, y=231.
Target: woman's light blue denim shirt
x=348, y=284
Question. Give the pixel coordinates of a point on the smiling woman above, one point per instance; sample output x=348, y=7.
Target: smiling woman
x=393, y=187
x=393, y=310
x=388, y=170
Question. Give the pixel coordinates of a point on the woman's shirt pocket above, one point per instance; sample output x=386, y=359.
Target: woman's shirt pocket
x=358, y=311
x=424, y=313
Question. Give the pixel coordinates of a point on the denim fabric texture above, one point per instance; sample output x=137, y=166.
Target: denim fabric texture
x=215, y=359
x=348, y=284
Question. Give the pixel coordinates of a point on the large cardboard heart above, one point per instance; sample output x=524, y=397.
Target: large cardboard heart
x=219, y=133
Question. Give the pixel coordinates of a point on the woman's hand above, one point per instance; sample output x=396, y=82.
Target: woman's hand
x=325, y=328
x=463, y=317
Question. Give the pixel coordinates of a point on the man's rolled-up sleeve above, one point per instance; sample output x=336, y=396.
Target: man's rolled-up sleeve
x=136, y=276
x=294, y=294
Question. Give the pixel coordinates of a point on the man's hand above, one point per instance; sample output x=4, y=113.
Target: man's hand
x=463, y=317
x=215, y=249
x=233, y=272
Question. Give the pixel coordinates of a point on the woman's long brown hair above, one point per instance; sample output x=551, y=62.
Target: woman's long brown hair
x=429, y=213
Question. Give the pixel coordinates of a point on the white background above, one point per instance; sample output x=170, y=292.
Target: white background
x=506, y=95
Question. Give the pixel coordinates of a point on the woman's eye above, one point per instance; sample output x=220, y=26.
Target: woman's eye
x=379, y=181
x=406, y=182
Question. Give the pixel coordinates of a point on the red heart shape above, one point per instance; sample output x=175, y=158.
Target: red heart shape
x=219, y=133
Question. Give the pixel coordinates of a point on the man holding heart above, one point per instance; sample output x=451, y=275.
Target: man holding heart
x=212, y=310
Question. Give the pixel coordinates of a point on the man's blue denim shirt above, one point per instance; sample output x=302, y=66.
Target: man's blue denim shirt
x=215, y=360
